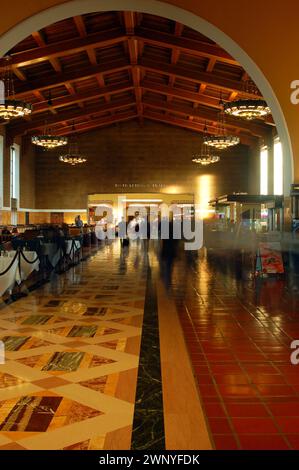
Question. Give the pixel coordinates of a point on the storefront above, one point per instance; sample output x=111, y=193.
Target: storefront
x=252, y=212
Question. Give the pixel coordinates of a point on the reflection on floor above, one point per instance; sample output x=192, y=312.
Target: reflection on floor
x=239, y=335
x=73, y=348
x=72, y=351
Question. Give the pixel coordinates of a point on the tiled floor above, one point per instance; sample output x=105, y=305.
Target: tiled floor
x=72, y=352
x=238, y=334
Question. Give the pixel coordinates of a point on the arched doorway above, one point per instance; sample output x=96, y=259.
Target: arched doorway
x=78, y=7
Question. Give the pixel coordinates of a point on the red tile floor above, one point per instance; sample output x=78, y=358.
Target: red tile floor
x=238, y=334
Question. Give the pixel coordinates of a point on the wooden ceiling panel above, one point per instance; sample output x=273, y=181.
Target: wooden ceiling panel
x=186, y=85
x=98, y=22
x=57, y=92
x=122, y=95
x=215, y=93
x=230, y=71
x=189, y=60
x=192, y=34
x=117, y=77
x=114, y=52
x=185, y=103
x=74, y=61
x=156, y=77
x=89, y=84
x=25, y=45
x=60, y=31
x=154, y=95
x=41, y=70
x=157, y=23
x=155, y=52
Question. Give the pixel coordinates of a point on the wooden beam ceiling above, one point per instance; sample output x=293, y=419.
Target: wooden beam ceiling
x=198, y=127
x=159, y=72
x=24, y=127
x=67, y=77
x=109, y=38
x=100, y=122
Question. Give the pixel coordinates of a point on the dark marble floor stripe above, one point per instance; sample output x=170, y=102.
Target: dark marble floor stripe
x=148, y=425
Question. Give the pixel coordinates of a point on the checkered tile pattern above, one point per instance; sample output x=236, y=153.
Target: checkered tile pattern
x=72, y=353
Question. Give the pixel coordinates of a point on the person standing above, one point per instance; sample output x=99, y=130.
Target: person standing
x=78, y=222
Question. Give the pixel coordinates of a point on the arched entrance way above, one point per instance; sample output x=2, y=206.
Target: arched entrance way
x=78, y=7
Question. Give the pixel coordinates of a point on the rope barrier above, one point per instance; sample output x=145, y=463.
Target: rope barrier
x=11, y=264
x=19, y=254
x=27, y=260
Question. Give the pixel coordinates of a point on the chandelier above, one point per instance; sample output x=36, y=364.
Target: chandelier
x=11, y=108
x=71, y=159
x=221, y=140
x=205, y=158
x=248, y=108
x=47, y=139
x=73, y=156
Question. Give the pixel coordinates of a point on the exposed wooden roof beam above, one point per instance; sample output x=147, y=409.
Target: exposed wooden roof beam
x=233, y=124
x=233, y=95
x=100, y=122
x=195, y=76
x=81, y=28
x=197, y=127
x=129, y=21
x=67, y=47
x=19, y=129
x=175, y=55
x=190, y=46
x=108, y=38
x=18, y=73
x=197, y=98
x=211, y=64
x=178, y=29
x=80, y=25
x=80, y=97
x=167, y=69
x=40, y=40
x=68, y=77
x=72, y=91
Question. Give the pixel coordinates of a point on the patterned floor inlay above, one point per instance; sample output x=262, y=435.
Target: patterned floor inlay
x=72, y=355
x=42, y=413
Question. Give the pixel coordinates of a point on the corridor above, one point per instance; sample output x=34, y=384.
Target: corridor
x=213, y=369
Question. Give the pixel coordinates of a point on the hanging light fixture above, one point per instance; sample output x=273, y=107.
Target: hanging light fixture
x=221, y=140
x=11, y=108
x=73, y=156
x=248, y=108
x=47, y=139
x=205, y=158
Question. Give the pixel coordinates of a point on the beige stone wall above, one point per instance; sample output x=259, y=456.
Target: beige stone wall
x=132, y=154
